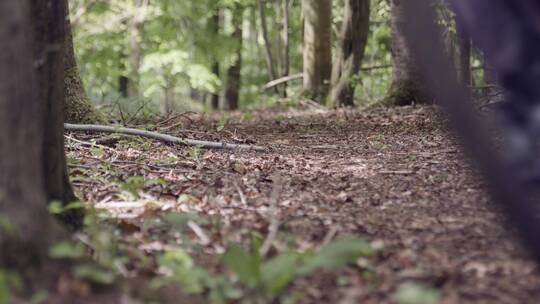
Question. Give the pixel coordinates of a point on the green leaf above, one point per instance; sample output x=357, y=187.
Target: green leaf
x=278, y=272
x=133, y=185
x=55, y=207
x=40, y=297
x=412, y=293
x=94, y=273
x=6, y=226
x=9, y=283
x=337, y=254
x=181, y=219
x=244, y=264
x=66, y=250
x=184, y=270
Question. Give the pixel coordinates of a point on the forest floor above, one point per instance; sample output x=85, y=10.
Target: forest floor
x=391, y=176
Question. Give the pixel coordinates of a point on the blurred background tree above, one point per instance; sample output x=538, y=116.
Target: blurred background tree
x=139, y=58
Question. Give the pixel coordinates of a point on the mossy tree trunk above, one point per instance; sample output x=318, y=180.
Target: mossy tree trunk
x=350, y=51
x=78, y=108
x=407, y=87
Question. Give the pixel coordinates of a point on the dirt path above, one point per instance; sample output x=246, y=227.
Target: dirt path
x=391, y=176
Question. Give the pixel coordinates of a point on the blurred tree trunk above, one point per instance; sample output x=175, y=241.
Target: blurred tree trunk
x=32, y=166
x=464, y=60
x=317, y=52
x=232, y=91
x=490, y=78
x=270, y=64
x=286, y=43
x=215, y=24
x=136, y=35
x=123, y=79
x=78, y=108
x=350, y=51
x=407, y=84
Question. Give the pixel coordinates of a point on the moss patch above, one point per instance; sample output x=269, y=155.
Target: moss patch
x=78, y=108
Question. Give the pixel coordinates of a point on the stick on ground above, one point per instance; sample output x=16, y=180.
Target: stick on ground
x=160, y=137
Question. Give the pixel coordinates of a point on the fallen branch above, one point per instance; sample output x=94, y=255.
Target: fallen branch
x=285, y=79
x=160, y=137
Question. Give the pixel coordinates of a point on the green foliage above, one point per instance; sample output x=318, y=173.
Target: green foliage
x=411, y=293
x=267, y=279
x=6, y=227
x=94, y=273
x=133, y=185
x=9, y=282
x=66, y=250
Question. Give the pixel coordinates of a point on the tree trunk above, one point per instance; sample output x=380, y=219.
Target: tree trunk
x=489, y=79
x=286, y=43
x=317, y=27
x=407, y=84
x=270, y=64
x=136, y=34
x=78, y=108
x=352, y=43
x=215, y=24
x=232, y=92
x=22, y=193
x=32, y=167
x=464, y=64
x=123, y=79
x=51, y=91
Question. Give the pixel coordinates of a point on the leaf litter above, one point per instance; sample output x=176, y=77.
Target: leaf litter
x=391, y=176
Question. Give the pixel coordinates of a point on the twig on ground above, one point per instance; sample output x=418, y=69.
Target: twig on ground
x=330, y=235
x=241, y=194
x=161, y=137
x=274, y=219
x=205, y=240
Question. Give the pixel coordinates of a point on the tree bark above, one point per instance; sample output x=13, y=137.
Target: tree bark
x=49, y=34
x=78, y=108
x=407, y=83
x=232, y=92
x=215, y=24
x=31, y=119
x=464, y=64
x=136, y=34
x=22, y=193
x=286, y=44
x=352, y=43
x=270, y=64
x=317, y=52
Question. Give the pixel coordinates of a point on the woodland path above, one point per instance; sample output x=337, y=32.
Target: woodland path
x=393, y=176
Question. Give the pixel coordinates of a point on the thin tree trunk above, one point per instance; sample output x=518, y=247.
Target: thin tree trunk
x=407, y=83
x=123, y=79
x=490, y=78
x=317, y=53
x=270, y=64
x=232, y=92
x=350, y=52
x=78, y=108
x=136, y=34
x=464, y=67
x=215, y=24
x=286, y=43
